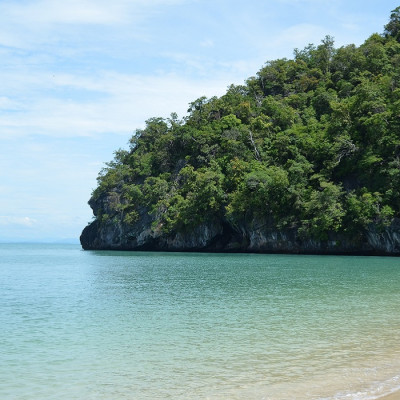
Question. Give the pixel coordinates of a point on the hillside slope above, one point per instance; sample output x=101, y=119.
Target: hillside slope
x=302, y=158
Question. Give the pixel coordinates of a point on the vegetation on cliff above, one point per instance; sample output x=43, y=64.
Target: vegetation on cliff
x=311, y=143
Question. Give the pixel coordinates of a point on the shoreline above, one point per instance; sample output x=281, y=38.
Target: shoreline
x=392, y=396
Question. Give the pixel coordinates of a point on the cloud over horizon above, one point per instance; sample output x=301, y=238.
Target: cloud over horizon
x=10, y=220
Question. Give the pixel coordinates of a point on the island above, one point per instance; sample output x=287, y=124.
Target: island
x=304, y=157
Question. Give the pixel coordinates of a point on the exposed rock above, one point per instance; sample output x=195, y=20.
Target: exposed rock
x=223, y=236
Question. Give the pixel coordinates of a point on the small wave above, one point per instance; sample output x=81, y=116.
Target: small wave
x=377, y=390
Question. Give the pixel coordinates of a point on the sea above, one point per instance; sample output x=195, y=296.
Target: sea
x=119, y=325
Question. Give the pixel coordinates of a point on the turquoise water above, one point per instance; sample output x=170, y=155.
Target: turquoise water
x=117, y=325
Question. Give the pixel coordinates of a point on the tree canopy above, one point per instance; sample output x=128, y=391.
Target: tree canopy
x=311, y=143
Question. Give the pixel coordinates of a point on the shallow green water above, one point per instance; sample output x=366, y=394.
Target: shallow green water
x=120, y=325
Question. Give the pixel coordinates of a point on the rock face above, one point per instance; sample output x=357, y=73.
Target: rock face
x=224, y=236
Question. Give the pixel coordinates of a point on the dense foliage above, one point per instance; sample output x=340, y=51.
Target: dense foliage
x=311, y=143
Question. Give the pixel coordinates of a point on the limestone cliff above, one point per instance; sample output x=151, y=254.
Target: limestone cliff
x=222, y=236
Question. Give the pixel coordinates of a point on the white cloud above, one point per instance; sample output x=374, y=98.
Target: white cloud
x=70, y=11
x=207, y=43
x=78, y=11
x=7, y=104
x=25, y=24
x=21, y=221
x=119, y=103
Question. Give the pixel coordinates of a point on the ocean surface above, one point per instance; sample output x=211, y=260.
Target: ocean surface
x=136, y=325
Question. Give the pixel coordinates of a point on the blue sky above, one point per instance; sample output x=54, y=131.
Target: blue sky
x=78, y=77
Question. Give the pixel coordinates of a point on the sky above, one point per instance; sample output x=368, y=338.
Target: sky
x=78, y=77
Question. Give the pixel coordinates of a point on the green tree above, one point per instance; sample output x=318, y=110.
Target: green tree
x=322, y=211
x=311, y=143
x=392, y=28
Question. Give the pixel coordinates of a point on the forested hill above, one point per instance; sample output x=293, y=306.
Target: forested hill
x=304, y=157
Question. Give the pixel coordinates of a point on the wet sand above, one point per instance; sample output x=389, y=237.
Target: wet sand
x=393, y=396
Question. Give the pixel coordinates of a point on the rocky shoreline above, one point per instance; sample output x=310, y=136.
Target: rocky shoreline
x=254, y=236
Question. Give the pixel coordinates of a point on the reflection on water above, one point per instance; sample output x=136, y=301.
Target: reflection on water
x=123, y=325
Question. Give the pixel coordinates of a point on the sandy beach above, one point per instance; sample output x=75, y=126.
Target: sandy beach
x=393, y=396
